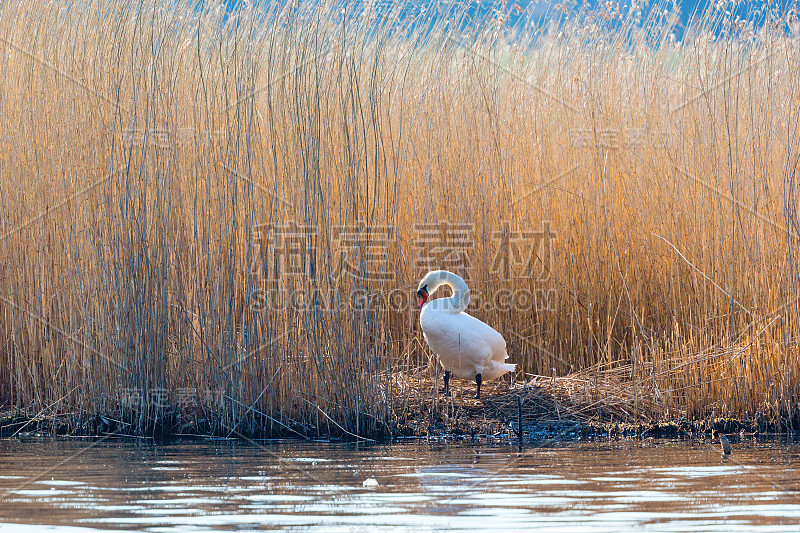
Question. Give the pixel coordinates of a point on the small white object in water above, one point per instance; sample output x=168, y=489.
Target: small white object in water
x=371, y=482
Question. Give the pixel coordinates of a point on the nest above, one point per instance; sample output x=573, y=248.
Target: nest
x=591, y=396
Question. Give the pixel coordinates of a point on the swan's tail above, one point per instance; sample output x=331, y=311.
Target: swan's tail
x=497, y=369
x=509, y=368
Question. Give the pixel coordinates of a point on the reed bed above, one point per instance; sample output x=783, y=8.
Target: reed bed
x=592, y=398
x=215, y=218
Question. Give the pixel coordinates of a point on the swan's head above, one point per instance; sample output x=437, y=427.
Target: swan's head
x=422, y=294
x=429, y=284
x=435, y=279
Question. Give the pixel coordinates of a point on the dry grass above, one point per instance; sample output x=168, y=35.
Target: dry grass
x=154, y=155
x=590, y=396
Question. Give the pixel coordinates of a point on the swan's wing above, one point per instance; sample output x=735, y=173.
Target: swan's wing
x=462, y=342
x=493, y=339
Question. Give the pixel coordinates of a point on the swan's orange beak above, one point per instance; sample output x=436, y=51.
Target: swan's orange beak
x=422, y=294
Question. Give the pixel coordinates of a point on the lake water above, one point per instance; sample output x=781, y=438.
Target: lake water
x=631, y=485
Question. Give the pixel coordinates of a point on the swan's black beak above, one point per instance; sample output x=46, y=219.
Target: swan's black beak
x=422, y=294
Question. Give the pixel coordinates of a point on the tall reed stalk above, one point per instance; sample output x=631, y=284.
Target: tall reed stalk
x=217, y=218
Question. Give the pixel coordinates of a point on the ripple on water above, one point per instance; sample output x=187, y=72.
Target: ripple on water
x=627, y=486
x=61, y=482
x=700, y=471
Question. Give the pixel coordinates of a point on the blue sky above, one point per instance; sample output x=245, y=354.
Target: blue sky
x=545, y=8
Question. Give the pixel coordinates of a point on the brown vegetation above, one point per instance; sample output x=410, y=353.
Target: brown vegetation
x=171, y=174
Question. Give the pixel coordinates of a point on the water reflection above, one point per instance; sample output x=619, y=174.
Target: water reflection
x=611, y=486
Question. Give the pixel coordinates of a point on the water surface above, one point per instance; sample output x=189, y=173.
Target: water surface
x=209, y=486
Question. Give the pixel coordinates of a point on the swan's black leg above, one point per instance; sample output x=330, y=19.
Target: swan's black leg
x=478, y=380
x=446, y=383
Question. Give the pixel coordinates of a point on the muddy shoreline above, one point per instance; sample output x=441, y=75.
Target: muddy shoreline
x=545, y=408
x=20, y=425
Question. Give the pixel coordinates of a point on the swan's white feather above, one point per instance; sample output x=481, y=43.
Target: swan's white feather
x=465, y=345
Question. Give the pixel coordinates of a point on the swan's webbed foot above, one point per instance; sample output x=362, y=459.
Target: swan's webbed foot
x=446, y=390
x=478, y=380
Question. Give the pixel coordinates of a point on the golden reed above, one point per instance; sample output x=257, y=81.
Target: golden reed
x=214, y=220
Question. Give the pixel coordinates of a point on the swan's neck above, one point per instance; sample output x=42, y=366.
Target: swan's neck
x=459, y=301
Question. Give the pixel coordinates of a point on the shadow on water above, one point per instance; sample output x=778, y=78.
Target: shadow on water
x=227, y=485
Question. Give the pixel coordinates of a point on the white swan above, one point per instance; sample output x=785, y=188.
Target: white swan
x=467, y=348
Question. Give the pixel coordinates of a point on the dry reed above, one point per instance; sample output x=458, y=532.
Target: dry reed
x=215, y=219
